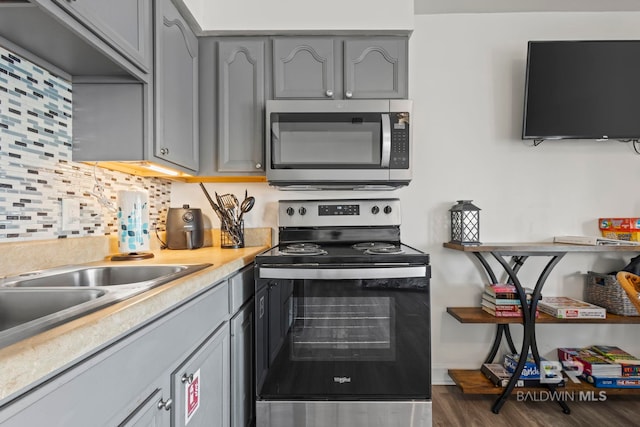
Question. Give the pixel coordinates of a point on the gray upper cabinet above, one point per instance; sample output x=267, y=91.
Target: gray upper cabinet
x=241, y=99
x=123, y=24
x=375, y=68
x=303, y=68
x=125, y=119
x=176, y=88
x=340, y=68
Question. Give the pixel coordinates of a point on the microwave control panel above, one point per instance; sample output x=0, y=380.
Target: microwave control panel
x=399, y=141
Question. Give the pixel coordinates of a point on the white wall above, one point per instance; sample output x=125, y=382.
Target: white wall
x=301, y=15
x=466, y=80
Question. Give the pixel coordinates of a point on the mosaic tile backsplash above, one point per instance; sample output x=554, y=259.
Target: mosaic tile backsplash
x=36, y=170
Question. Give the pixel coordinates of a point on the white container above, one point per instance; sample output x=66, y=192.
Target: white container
x=133, y=221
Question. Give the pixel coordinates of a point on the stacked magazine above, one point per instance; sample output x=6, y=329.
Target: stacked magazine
x=501, y=300
x=604, y=366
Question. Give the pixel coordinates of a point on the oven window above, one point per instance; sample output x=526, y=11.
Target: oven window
x=317, y=141
x=347, y=328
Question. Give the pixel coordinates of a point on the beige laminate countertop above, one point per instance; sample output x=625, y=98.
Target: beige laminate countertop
x=29, y=361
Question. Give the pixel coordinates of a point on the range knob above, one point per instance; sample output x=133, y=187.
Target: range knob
x=290, y=211
x=375, y=210
x=302, y=210
x=387, y=209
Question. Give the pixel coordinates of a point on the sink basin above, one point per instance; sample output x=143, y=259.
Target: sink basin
x=19, y=306
x=100, y=276
x=34, y=302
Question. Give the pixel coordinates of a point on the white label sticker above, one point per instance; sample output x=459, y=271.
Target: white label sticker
x=191, y=396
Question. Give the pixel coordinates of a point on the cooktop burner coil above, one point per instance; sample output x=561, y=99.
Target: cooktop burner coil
x=384, y=250
x=372, y=245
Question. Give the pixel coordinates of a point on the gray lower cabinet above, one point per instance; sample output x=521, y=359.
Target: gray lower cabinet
x=201, y=385
x=142, y=379
x=242, y=388
x=148, y=413
x=261, y=304
x=123, y=24
x=241, y=326
x=340, y=68
x=176, y=88
x=199, y=391
x=232, y=100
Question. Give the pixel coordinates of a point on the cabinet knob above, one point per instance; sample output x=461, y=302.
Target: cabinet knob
x=165, y=404
x=164, y=151
x=258, y=165
x=329, y=93
x=187, y=378
x=348, y=94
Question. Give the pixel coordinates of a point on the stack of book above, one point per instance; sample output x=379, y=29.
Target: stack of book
x=604, y=366
x=500, y=374
x=501, y=300
x=571, y=308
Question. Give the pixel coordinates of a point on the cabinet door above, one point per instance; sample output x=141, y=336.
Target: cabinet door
x=375, y=68
x=242, y=376
x=152, y=412
x=176, y=89
x=123, y=24
x=241, y=99
x=262, y=335
x=201, y=385
x=303, y=68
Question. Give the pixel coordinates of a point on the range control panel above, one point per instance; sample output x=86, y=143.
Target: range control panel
x=335, y=213
x=324, y=210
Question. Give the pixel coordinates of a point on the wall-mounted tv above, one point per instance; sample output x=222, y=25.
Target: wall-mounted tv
x=582, y=90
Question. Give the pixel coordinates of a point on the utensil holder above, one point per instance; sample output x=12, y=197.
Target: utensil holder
x=232, y=235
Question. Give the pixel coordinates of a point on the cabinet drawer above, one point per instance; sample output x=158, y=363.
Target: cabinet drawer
x=241, y=288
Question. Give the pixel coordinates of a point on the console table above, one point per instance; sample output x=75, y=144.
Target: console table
x=512, y=257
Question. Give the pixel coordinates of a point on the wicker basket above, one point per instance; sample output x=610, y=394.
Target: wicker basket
x=605, y=291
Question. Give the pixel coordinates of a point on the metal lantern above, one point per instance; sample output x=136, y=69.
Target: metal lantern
x=465, y=223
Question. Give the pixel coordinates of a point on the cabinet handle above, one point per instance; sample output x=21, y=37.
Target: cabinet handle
x=348, y=94
x=329, y=93
x=164, y=151
x=165, y=404
x=258, y=165
x=187, y=378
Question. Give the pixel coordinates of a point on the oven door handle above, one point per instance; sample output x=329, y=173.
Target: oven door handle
x=342, y=273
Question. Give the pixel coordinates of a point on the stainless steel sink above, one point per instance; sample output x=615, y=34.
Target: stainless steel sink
x=34, y=302
x=97, y=276
x=19, y=306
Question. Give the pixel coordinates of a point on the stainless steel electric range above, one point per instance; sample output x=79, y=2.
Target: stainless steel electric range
x=342, y=319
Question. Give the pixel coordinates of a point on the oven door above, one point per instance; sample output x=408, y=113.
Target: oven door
x=343, y=333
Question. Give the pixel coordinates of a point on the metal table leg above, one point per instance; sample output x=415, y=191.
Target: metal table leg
x=528, y=319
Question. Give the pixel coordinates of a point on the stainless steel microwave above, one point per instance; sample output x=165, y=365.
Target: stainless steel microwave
x=329, y=144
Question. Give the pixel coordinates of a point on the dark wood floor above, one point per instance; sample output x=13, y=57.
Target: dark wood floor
x=453, y=408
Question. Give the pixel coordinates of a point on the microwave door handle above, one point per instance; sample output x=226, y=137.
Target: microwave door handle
x=386, y=141
x=275, y=145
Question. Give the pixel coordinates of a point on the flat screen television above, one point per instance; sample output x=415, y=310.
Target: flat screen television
x=582, y=90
